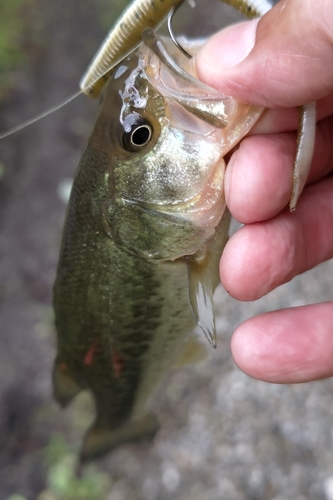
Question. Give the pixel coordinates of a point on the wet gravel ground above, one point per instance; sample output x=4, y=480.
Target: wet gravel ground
x=223, y=435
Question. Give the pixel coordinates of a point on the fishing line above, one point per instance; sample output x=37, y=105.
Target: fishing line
x=93, y=74
x=40, y=116
x=83, y=91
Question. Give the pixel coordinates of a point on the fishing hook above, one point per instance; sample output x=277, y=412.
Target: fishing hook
x=171, y=33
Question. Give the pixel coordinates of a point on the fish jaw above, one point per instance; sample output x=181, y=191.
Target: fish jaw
x=174, y=76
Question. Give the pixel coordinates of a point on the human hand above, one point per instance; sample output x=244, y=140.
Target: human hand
x=284, y=60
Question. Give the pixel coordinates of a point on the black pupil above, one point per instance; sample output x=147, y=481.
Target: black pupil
x=141, y=135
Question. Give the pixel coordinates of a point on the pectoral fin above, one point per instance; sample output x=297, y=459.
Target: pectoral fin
x=203, y=277
x=100, y=440
x=201, y=298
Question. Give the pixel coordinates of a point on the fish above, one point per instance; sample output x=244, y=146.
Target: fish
x=145, y=228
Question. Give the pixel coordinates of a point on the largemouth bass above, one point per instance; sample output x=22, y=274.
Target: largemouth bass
x=145, y=229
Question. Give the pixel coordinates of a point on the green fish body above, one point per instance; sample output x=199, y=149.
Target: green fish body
x=145, y=229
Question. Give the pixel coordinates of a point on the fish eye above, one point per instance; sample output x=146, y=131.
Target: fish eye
x=141, y=135
x=138, y=137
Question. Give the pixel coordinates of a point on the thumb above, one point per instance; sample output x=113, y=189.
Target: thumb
x=284, y=59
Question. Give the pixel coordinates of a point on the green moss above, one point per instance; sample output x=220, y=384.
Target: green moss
x=11, y=27
x=64, y=482
x=56, y=449
x=14, y=35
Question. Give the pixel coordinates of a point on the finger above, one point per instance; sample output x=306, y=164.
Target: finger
x=263, y=255
x=277, y=120
x=286, y=346
x=258, y=178
x=284, y=60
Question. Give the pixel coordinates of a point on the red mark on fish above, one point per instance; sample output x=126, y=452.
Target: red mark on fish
x=90, y=355
x=117, y=363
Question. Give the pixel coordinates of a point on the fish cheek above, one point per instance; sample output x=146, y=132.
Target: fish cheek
x=149, y=234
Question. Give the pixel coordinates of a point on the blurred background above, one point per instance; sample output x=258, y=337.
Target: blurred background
x=223, y=435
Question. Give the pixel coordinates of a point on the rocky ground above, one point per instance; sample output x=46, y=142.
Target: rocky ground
x=223, y=435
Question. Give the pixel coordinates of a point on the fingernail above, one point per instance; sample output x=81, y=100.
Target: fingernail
x=231, y=46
